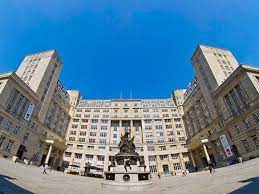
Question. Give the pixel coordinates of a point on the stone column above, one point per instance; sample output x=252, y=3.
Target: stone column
x=182, y=162
x=206, y=153
x=192, y=159
x=48, y=156
x=120, y=126
x=131, y=127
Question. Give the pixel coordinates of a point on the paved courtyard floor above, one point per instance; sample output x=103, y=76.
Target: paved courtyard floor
x=235, y=179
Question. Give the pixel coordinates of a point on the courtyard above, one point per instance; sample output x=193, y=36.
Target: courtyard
x=20, y=178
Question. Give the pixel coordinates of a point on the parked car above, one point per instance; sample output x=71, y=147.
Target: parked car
x=74, y=169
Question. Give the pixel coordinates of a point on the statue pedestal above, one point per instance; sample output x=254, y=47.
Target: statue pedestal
x=133, y=179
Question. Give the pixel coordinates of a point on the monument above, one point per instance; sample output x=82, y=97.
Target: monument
x=126, y=171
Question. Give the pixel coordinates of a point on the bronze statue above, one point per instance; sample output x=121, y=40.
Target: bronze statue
x=127, y=155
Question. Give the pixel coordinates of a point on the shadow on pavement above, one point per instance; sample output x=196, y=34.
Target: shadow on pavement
x=251, y=188
x=6, y=186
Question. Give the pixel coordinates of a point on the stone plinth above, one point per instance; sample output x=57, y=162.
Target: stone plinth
x=134, y=179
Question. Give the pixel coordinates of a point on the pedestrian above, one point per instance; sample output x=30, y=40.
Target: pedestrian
x=240, y=159
x=184, y=173
x=15, y=160
x=211, y=168
x=159, y=175
x=45, y=167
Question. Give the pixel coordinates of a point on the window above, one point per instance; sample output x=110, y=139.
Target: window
x=100, y=158
x=246, y=145
x=91, y=140
x=9, y=145
x=247, y=123
x=175, y=156
x=149, y=134
x=177, y=120
x=104, y=121
x=185, y=154
x=181, y=138
x=159, y=134
x=81, y=139
x=147, y=121
x=71, y=138
x=171, y=140
x=237, y=129
x=74, y=126
x=173, y=147
x=90, y=148
x=153, y=168
x=104, y=127
x=94, y=127
x=148, y=127
x=102, y=141
x=75, y=120
x=94, y=120
x=79, y=147
x=16, y=129
x=83, y=126
x=161, y=141
x=89, y=157
x=178, y=125
x=151, y=158
x=83, y=133
x=159, y=127
x=101, y=148
x=168, y=126
x=78, y=156
x=256, y=117
x=92, y=133
x=177, y=166
x=103, y=134
x=139, y=149
x=69, y=146
x=84, y=120
x=114, y=136
x=2, y=138
x=163, y=157
x=170, y=133
x=162, y=148
x=151, y=149
x=150, y=141
x=68, y=154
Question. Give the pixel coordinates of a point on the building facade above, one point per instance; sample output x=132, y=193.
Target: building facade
x=34, y=111
x=209, y=136
x=156, y=124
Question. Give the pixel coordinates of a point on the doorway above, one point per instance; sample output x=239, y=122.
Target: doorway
x=165, y=169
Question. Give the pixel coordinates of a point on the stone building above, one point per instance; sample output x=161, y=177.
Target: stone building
x=34, y=110
x=238, y=102
x=209, y=138
x=96, y=127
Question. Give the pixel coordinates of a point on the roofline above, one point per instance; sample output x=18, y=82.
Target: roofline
x=39, y=52
x=238, y=71
x=129, y=99
x=20, y=82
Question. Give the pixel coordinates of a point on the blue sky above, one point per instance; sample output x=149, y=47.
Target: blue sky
x=143, y=46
